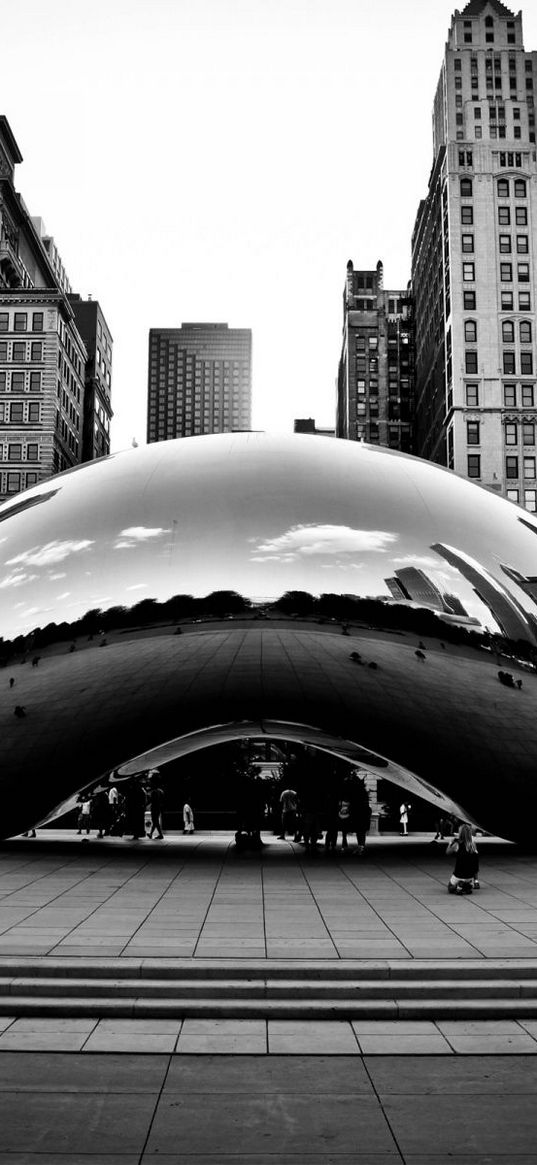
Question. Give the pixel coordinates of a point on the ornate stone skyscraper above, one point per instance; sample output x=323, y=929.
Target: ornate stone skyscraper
x=474, y=260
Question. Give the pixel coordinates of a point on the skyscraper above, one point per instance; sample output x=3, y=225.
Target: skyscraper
x=199, y=380
x=473, y=260
x=42, y=352
x=376, y=368
x=98, y=414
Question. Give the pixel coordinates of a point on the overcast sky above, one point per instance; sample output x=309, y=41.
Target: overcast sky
x=222, y=160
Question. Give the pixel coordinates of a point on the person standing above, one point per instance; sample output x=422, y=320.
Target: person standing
x=289, y=806
x=188, y=818
x=84, y=813
x=156, y=801
x=403, y=818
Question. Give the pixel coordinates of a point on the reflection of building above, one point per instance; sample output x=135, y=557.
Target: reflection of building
x=98, y=376
x=473, y=268
x=512, y=619
x=42, y=351
x=528, y=585
x=307, y=425
x=410, y=584
x=376, y=369
x=199, y=380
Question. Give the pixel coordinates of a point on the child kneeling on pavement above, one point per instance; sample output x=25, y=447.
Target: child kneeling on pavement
x=465, y=875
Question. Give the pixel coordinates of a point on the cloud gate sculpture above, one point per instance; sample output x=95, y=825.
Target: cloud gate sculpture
x=367, y=603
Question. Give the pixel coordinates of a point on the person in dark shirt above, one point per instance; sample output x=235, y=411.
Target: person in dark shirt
x=156, y=801
x=465, y=876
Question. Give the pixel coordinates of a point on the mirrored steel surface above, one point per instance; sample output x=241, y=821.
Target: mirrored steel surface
x=312, y=588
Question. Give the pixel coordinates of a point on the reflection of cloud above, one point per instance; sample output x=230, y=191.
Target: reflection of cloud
x=138, y=587
x=50, y=553
x=310, y=540
x=64, y=596
x=132, y=535
x=17, y=578
x=422, y=560
x=60, y=574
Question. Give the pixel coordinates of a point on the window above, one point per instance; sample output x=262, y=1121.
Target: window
x=504, y=216
x=13, y=483
x=527, y=396
x=524, y=301
x=520, y=190
x=507, y=300
x=521, y=216
x=34, y=412
x=525, y=332
x=35, y=382
x=503, y=188
x=477, y=114
x=460, y=121
x=17, y=381
x=505, y=244
x=469, y=300
x=474, y=465
x=526, y=363
x=509, y=396
x=14, y=452
x=470, y=331
x=472, y=395
x=457, y=66
x=471, y=363
x=37, y=321
x=18, y=354
x=523, y=272
x=478, y=132
x=511, y=433
x=36, y=350
x=468, y=272
x=529, y=467
x=528, y=433
x=511, y=467
x=31, y=479
x=4, y=321
x=21, y=321
x=512, y=495
x=509, y=363
x=468, y=244
x=508, y=332
x=506, y=272
x=472, y=432
x=530, y=500
x=522, y=244
x=32, y=451
x=466, y=187
x=467, y=215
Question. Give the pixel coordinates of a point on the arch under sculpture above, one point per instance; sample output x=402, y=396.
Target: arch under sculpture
x=368, y=603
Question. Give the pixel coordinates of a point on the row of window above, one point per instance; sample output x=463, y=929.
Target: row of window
x=20, y=381
x=504, y=215
x=506, y=272
x=529, y=495
x=19, y=351
x=12, y=483
x=509, y=363
x=513, y=431
x=19, y=321
x=505, y=245
x=20, y=451
x=507, y=300
x=512, y=466
x=503, y=185
x=512, y=395
x=20, y=412
x=508, y=331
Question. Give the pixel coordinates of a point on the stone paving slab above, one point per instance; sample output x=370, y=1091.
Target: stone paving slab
x=197, y=898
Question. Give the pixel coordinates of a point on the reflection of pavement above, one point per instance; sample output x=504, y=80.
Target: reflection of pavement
x=447, y=719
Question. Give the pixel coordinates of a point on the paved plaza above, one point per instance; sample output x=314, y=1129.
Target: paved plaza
x=130, y=1091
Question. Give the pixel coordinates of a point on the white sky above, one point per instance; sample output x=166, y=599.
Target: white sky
x=222, y=160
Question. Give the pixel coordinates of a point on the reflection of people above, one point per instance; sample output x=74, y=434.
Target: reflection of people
x=465, y=875
x=403, y=818
x=156, y=800
x=289, y=805
x=188, y=818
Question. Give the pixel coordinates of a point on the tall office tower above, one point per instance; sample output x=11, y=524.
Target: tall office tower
x=98, y=340
x=474, y=260
x=376, y=368
x=199, y=380
x=42, y=353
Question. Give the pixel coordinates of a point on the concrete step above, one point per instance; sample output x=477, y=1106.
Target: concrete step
x=466, y=970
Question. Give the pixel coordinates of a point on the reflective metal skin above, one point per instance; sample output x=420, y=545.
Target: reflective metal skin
x=366, y=602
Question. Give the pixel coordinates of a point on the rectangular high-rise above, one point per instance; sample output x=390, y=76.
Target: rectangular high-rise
x=474, y=260
x=376, y=369
x=98, y=413
x=199, y=380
